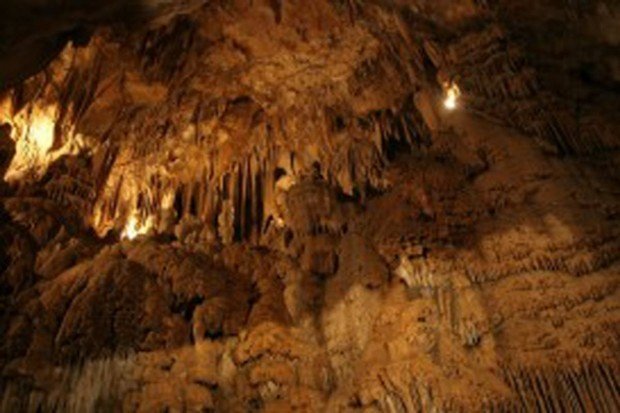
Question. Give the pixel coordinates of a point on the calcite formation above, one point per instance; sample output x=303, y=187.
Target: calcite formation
x=316, y=206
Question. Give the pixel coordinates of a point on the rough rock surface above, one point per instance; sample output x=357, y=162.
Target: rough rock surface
x=264, y=206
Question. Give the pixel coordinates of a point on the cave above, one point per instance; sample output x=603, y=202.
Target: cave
x=309, y=206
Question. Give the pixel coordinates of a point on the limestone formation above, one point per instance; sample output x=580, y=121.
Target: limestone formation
x=309, y=205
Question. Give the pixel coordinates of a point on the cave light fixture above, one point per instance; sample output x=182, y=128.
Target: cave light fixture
x=452, y=92
x=134, y=228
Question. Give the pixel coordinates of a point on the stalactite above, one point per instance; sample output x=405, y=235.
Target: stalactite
x=498, y=82
x=577, y=390
x=226, y=222
x=314, y=137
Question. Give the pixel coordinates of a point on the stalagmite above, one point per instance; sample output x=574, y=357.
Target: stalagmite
x=317, y=206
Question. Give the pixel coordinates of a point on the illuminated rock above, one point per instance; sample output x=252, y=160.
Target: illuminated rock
x=268, y=206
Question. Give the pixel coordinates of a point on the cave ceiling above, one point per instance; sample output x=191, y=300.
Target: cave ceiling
x=328, y=205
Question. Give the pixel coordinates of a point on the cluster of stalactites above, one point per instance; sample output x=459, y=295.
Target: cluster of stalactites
x=499, y=82
x=247, y=199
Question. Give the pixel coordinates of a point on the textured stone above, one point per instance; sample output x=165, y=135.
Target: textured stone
x=266, y=206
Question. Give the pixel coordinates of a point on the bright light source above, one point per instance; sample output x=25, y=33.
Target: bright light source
x=450, y=102
x=134, y=228
x=451, y=96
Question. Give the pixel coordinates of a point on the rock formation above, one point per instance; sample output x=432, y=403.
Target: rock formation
x=309, y=205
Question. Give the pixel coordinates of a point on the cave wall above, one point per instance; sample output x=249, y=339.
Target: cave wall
x=265, y=206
